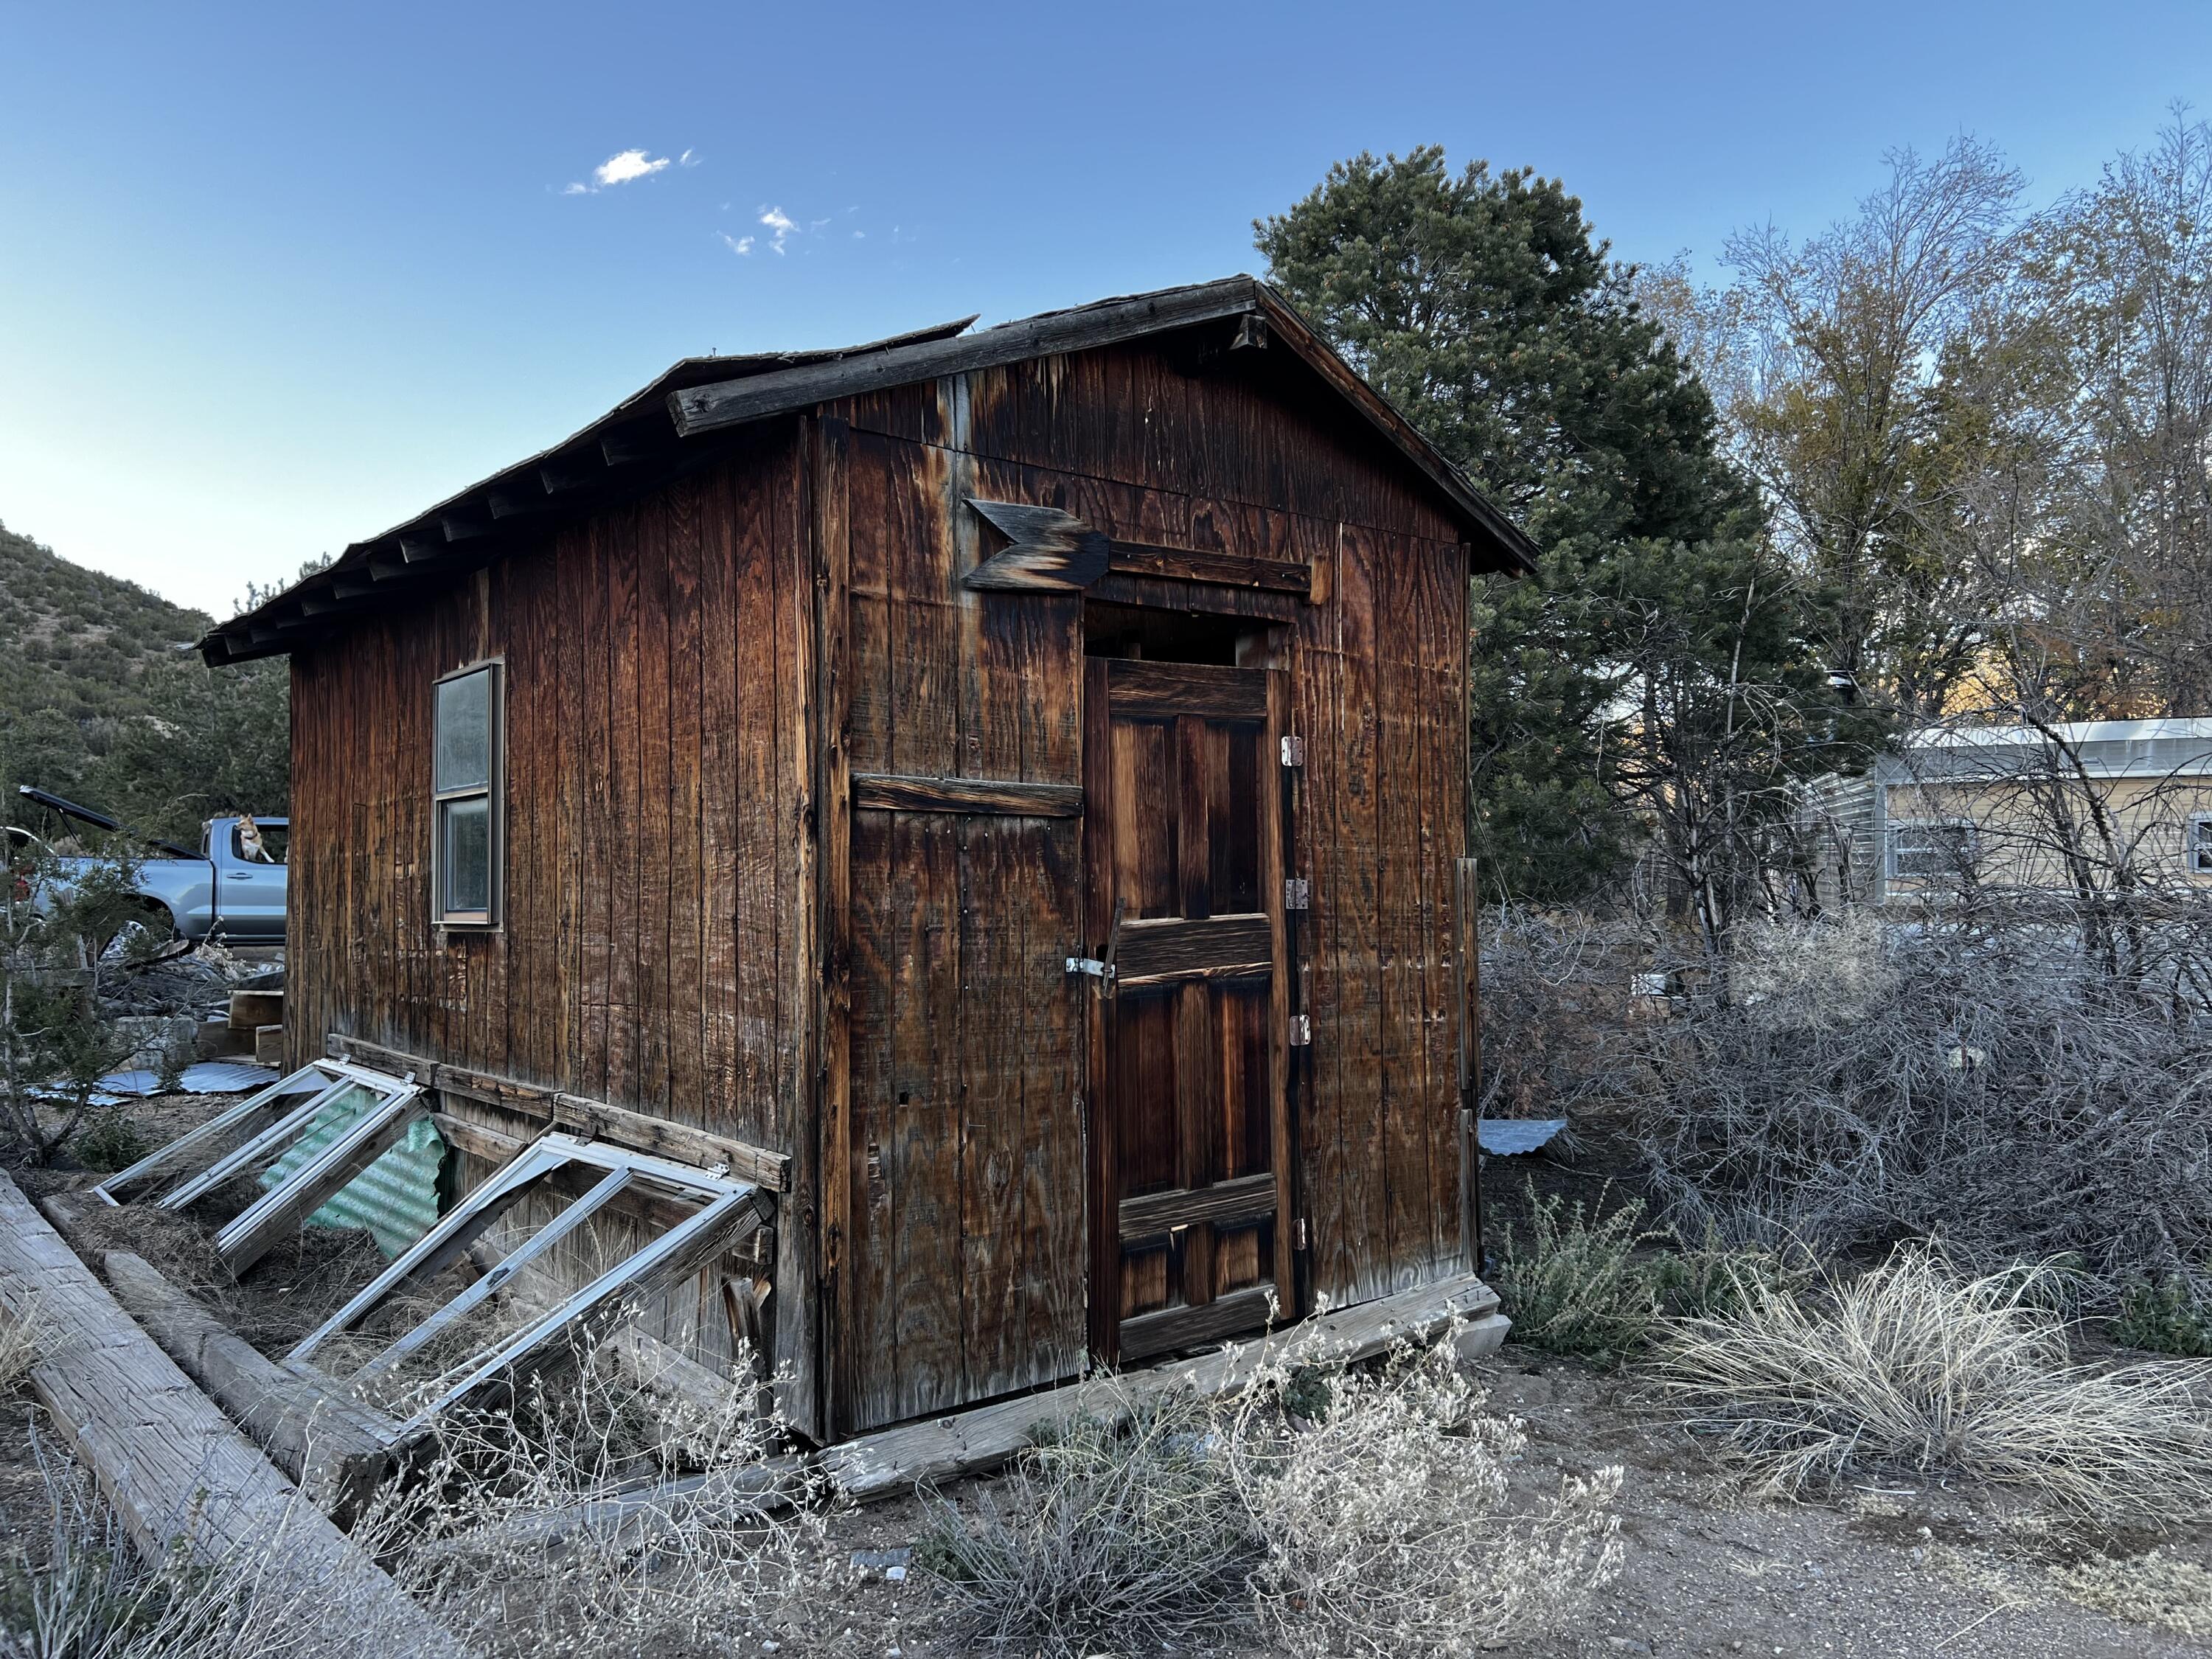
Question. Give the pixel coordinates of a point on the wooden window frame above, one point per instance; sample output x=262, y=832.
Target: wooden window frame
x=492, y=791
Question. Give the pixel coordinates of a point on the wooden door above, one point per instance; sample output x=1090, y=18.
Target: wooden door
x=1189, y=1127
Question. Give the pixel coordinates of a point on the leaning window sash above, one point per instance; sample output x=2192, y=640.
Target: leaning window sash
x=468, y=820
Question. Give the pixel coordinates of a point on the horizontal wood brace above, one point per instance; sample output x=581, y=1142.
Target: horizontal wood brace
x=1212, y=947
x=1247, y=1198
x=551, y=1109
x=1216, y=569
x=889, y=792
x=1209, y=1322
x=1169, y=689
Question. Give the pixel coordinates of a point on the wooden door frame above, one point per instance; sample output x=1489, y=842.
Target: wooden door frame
x=1103, y=1230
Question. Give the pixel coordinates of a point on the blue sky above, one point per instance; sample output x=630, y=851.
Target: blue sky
x=272, y=278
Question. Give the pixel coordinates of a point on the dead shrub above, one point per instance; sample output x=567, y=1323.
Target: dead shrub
x=1389, y=1523
x=1374, y=1515
x=1911, y=1369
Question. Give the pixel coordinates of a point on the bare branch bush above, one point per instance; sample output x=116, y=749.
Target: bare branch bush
x=1980, y=1082
x=1912, y=1369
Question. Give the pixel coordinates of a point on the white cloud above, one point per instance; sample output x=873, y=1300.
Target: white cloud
x=737, y=245
x=780, y=222
x=622, y=167
x=626, y=165
x=690, y=158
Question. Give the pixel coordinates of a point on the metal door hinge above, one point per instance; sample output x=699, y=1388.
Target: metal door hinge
x=1294, y=750
x=1301, y=1030
x=1298, y=1239
x=1297, y=893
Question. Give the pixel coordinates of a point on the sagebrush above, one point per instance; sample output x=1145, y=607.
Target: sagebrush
x=1373, y=1514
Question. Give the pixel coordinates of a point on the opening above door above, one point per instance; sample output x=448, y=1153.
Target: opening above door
x=1157, y=636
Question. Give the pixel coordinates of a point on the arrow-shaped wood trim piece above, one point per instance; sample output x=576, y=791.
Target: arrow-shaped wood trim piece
x=1052, y=551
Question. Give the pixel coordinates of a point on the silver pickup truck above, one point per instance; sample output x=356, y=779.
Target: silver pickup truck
x=232, y=889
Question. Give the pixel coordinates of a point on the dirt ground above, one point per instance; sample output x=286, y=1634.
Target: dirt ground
x=1894, y=1570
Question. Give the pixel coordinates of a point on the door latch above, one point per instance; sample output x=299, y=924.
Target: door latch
x=1102, y=968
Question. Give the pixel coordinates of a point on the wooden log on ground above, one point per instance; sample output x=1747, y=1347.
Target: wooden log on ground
x=179, y=1474
x=895, y=1461
x=338, y=1449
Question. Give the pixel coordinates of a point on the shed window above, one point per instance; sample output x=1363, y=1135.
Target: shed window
x=467, y=850
x=1931, y=851
x=2200, y=844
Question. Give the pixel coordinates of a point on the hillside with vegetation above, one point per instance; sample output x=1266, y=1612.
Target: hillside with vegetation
x=104, y=700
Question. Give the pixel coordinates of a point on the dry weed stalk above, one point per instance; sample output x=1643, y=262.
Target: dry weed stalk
x=1912, y=1369
x=88, y=1595
x=551, y=1528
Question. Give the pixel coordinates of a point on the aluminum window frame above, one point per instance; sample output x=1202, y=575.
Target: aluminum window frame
x=2196, y=844
x=492, y=791
x=728, y=1207
x=1970, y=836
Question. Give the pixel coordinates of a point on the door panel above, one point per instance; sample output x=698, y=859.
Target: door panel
x=1189, y=1170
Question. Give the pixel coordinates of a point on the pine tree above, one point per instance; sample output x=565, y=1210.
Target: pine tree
x=1655, y=682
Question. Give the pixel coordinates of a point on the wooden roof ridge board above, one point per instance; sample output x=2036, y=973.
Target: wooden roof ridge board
x=714, y=396
x=416, y=549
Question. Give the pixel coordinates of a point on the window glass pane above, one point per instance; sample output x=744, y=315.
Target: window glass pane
x=466, y=854
x=264, y=843
x=464, y=760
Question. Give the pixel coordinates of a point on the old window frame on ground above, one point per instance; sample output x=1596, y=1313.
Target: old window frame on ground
x=729, y=1209
x=1959, y=860
x=248, y=1138
x=449, y=793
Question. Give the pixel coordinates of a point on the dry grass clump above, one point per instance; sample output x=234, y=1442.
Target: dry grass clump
x=88, y=1595
x=1912, y=1369
x=1389, y=1523
x=2146, y=1589
x=553, y=1527
x=1372, y=1515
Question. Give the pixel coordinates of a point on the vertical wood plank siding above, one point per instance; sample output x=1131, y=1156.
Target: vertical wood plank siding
x=690, y=931
x=654, y=821
x=965, y=1072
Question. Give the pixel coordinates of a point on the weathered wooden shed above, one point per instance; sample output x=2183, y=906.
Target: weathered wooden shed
x=1016, y=776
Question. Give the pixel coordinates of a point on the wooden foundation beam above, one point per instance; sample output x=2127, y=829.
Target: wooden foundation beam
x=178, y=1473
x=894, y=1462
x=338, y=1449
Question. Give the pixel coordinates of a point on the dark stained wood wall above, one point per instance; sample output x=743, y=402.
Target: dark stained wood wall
x=657, y=948
x=965, y=1143
x=669, y=672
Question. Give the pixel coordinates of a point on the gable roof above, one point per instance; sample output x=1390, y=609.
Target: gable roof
x=676, y=421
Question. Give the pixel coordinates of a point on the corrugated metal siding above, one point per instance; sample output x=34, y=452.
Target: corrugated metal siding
x=396, y=1198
